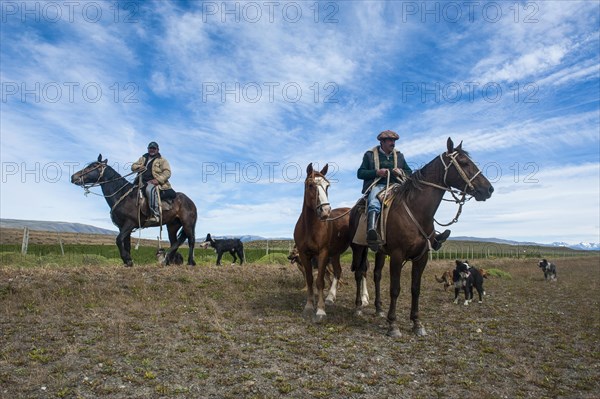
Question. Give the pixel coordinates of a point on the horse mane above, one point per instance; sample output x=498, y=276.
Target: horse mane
x=113, y=177
x=414, y=182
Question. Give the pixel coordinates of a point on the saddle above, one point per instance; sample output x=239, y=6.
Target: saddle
x=386, y=197
x=166, y=202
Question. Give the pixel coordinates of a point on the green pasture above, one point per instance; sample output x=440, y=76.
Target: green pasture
x=260, y=252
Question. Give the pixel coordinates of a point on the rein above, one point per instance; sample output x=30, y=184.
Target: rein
x=455, y=194
x=98, y=183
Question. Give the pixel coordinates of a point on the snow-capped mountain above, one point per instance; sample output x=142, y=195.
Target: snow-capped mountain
x=586, y=246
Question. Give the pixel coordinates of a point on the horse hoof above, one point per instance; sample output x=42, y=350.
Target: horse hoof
x=420, y=331
x=318, y=318
x=381, y=313
x=329, y=302
x=394, y=332
x=358, y=312
x=308, y=311
x=129, y=263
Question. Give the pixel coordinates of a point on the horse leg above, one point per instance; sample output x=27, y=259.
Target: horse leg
x=322, y=259
x=417, y=272
x=232, y=253
x=305, y=260
x=396, y=263
x=124, y=245
x=379, y=262
x=188, y=223
x=172, y=231
x=359, y=267
x=337, y=274
x=191, y=238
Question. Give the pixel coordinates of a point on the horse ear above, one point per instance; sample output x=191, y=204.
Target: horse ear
x=324, y=170
x=309, y=169
x=459, y=147
x=99, y=157
x=450, y=145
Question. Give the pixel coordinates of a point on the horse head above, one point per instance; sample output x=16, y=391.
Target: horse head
x=91, y=174
x=462, y=173
x=315, y=191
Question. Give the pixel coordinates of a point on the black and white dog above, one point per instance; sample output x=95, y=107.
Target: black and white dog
x=232, y=245
x=465, y=277
x=549, y=269
x=174, y=259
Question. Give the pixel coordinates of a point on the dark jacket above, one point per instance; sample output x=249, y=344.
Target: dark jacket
x=367, y=170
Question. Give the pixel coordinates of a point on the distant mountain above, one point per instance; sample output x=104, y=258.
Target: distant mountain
x=581, y=246
x=62, y=227
x=246, y=238
x=66, y=227
x=586, y=246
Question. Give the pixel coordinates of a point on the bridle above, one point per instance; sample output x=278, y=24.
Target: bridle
x=87, y=186
x=102, y=166
x=453, y=162
x=321, y=184
x=460, y=196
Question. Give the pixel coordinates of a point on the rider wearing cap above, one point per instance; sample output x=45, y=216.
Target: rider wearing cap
x=156, y=172
x=377, y=164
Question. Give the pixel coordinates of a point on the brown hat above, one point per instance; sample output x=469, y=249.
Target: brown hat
x=387, y=134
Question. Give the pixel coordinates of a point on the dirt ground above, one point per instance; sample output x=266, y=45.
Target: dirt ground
x=231, y=332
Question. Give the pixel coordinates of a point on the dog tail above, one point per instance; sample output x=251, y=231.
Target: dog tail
x=439, y=280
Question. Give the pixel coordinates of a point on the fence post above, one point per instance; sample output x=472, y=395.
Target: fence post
x=25, y=241
x=62, y=249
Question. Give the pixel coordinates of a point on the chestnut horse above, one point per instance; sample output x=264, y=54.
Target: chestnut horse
x=409, y=227
x=121, y=197
x=320, y=233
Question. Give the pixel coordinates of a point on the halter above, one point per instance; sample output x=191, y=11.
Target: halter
x=86, y=187
x=460, y=170
x=460, y=201
x=102, y=166
x=460, y=196
x=321, y=195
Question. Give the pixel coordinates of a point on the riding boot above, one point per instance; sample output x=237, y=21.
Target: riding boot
x=373, y=239
x=439, y=239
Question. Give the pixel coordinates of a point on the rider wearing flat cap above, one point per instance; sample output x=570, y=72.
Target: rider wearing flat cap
x=156, y=172
x=377, y=164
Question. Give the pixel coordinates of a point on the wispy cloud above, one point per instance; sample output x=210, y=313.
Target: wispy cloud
x=232, y=99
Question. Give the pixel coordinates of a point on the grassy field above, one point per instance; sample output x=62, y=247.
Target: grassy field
x=48, y=247
x=77, y=330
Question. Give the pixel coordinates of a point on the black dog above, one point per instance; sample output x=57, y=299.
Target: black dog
x=232, y=245
x=549, y=269
x=174, y=259
x=465, y=277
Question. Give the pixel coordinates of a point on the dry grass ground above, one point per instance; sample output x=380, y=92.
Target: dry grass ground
x=225, y=332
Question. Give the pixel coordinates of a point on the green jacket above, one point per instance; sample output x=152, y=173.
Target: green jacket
x=368, y=173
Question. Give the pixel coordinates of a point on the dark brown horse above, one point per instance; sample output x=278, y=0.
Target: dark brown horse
x=410, y=230
x=121, y=197
x=320, y=233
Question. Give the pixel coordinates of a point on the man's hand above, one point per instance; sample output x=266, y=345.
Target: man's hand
x=154, y=182
x=382, y=172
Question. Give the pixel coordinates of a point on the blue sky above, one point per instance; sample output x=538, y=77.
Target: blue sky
x=241, y=96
